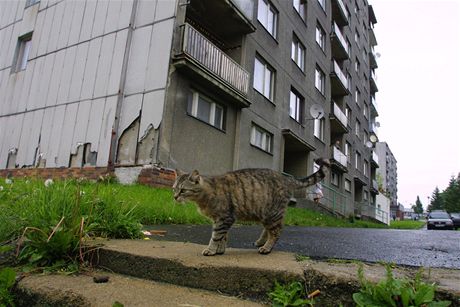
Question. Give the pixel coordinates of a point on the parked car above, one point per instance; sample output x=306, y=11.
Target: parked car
x=455, y=219
x=439, y=220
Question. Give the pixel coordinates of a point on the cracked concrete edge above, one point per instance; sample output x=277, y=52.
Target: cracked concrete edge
x=245, y=273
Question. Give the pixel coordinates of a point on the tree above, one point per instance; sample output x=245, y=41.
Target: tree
x=451, y=195
x=437, y=202
x=418, y=207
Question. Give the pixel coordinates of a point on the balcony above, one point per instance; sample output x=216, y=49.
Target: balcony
x=372, y=38
x=200, y=57
x=373, y=59
x=339, y=83
x=373, y=84
x=339, y=160
x=374, y=110
x=339, y=120
x=374, y=160
x=226, y=18
x=338, y=44
x=339, y=13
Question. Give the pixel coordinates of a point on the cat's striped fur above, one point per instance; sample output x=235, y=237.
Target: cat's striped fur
x=260, y=195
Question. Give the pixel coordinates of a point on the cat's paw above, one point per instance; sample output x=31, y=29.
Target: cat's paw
x=220, y=249
x=208, y=252
x=264, y=250
x=259, y=243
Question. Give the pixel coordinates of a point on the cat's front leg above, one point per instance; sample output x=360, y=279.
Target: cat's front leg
x=219, y=237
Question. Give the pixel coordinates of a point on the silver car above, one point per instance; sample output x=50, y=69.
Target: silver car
x=439, y=220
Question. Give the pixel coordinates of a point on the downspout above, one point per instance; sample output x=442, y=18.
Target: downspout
x=121, y=91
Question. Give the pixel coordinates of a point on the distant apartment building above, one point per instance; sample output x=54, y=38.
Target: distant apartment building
x=388, y=173
x=213, y=85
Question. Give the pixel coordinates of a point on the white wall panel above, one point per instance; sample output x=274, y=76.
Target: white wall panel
x=138, y=58
x=145, y=12
x=21, y=6
x=3, y=122
x=25, y=90
x=77, y=20
x=45, y=132
x=66, y=74
x=103, y=67
x=78, y=72
x=13, y=130
x=66, y=23
x=88, y=20
x=46, y=30
x=34, y=137
x=44, y=80
x=53, y=146
x=55, y=78
x=99, y=18
x=125, y=14
x=113, y=13
x=91, y=69
x=12, y=45
x=38, y=28
x=152, y=111
x=130, y=110
x=56, y=27
x=117, y=62
x=106, y=131
x=67, y=135
x=81, y=125
x=8, y=95
x=95, y=123
x=23, y=147
x=28, y=22
x=14, y=104
x=6, y=37
x=165, y=9
x=158, y=64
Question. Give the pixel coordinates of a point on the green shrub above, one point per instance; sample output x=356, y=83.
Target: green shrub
x=7, y=280
x=396, y=292
x=290, y=295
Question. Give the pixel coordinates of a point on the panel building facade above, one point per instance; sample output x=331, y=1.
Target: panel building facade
x=213, y=85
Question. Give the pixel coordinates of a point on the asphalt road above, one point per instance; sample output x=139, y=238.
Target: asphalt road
x=427, y=248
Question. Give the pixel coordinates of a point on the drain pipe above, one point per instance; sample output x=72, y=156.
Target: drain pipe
x=121, y=90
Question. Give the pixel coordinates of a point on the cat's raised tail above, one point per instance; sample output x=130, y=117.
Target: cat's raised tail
x=317, y=176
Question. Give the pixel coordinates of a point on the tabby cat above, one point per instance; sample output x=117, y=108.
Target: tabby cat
x=260, y=195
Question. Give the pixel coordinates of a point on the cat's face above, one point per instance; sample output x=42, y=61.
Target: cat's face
x=187, y=186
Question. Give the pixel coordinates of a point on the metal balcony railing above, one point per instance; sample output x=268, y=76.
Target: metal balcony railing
x=340, y=37
x=340, y=75
x=339, y=156
x=215, y=61
x=375, y=157
x=340, y=115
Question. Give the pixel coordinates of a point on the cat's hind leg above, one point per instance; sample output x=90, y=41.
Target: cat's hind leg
x=273, y=226
x=219, y=237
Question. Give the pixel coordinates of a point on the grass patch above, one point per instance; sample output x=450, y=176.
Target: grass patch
x=406, y=224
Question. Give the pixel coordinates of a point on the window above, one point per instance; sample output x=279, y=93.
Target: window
x=264, y=76
x=22, y=52
x=357, y=96
x=262, y=139
x=357, y=127
x=31, y=2
x=357, y=160
x=298, y=53
x=296, y=106
x=357, y=38
x=349, y=82
x=365, y=137
x=366, y=168
x=322, y=3
x=205, y=110
x=301, y=8
x=268, y=16
x=348, y=115
x=320, y=37
x=348, y=152
x=318, y=129
x=347, y=185
x=320, y=80
x=357, y=66
x=348, y=47
x=365, y=196
x=365, y=110
x=335, y=180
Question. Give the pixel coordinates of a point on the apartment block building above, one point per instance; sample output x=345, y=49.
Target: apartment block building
x=213, y=85
x=388, y=173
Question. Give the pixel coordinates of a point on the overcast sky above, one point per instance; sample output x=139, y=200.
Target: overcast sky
x=419, y=91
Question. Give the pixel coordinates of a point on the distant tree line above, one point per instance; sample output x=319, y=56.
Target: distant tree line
x=449, y=199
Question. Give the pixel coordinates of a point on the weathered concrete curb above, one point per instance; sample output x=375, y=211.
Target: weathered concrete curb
x=247, y=274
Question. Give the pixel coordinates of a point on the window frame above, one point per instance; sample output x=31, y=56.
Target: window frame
x=265, y=23
x=301, y=9
x=21, y=55
x=347, y=185
x=320, y=35
x=31, y=2
x=266, y=68
x=266, y=135
x=193, y=104
x=320, y=77
x=299, y=106
x=319, y=128
x=322, y=4
x=298, y=52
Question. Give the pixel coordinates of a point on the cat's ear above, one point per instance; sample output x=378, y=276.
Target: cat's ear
x=179, y=173
x=195, y=176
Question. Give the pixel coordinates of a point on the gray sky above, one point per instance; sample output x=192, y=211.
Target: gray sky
x=419, y=91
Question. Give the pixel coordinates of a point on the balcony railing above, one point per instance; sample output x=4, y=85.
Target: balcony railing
x=374, y=109
x=214, y=60
x=339, y=81
x=375, y=157
x=340, y=115
x=339, y=156
x=339, y=43
x=339, y=12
